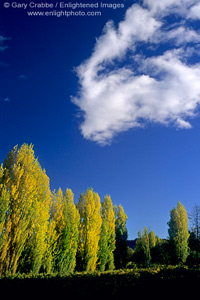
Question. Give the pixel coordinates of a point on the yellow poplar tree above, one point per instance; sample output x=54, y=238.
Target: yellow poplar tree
x=4, y=205
x=152, y=239
x=41, y=218
x=28, y=212
x=89, y=209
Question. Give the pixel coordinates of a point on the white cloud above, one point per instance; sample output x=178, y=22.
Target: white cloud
x=183, y=124
x=165, y=7
x=183, y=35
x=161, y=88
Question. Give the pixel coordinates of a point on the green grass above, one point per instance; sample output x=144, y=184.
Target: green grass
x=117, y=284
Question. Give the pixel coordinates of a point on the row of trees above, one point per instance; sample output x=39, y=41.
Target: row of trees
x=45, y=231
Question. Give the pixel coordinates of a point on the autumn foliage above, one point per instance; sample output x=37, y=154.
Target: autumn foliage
x=44, y=231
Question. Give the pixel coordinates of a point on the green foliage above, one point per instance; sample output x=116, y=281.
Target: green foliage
x=55, y=230
x=178, y=232
x=194, y=238
x=107, y=238
x=142, y=250
x=116, y=284
x=152, y=239
x=69, y=237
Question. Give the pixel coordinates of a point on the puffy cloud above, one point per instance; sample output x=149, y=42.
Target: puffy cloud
x=122, y=87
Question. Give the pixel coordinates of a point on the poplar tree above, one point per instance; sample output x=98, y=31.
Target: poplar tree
x=152, y=239
x=81, y=236
x=194, y=240
x=107, y=239
x=142, y=250
x=69, y=237
x=41, y=221
x=28, y=210
x=121, y=238
x=178, y=232
x=4, y=205
x=146, y=245
x=55, y=230
x=90, y=229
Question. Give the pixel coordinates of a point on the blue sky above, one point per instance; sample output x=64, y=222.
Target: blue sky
x=109, y=102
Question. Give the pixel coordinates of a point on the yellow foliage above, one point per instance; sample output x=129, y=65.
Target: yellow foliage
x=38, y=228
x=90, y=228
x=29, y=206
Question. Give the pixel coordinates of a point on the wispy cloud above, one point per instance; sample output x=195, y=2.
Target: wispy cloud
x=7, y=99
x=3, y=47
x=22, y=77
x=130, y=80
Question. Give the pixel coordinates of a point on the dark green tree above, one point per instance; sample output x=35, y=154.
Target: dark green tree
x=142, y=250
x=120, y=253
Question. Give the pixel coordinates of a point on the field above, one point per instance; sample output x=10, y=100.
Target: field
x=163, y=281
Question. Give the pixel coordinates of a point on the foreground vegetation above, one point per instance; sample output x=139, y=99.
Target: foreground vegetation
x=114, y=284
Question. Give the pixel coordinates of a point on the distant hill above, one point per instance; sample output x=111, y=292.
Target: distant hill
x=132, y=243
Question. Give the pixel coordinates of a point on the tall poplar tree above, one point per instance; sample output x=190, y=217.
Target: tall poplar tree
x=178, y=232
x=41, y=221
x=90, y=229
x=194, y=240
x=69, y=237
x=107, y=239
x=81, y=236
x=55, y=230
x=146, y=245
x=4, y=205
x=28, y=210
